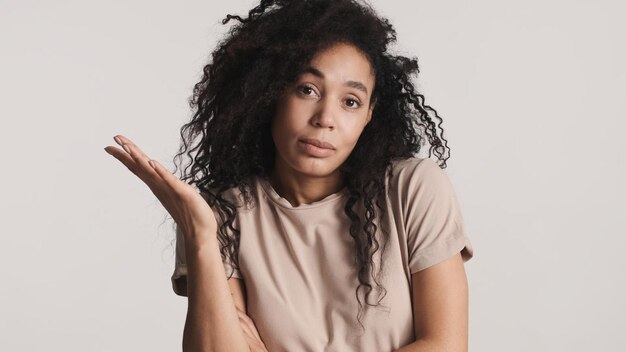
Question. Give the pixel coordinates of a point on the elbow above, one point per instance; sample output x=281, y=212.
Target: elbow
x=194, y=345
x=447, y=344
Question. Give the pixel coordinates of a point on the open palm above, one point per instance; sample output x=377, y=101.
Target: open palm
x=187, y=207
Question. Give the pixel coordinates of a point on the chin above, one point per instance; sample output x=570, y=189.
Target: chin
x=317, y=167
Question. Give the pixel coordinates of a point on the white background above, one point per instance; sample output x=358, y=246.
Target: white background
x=532, y=96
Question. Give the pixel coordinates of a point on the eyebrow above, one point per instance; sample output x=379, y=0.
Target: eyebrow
x=353, y=84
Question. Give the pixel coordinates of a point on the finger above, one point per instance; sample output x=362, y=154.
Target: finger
x=121, y=140
x=122, y=154
x=142, y=160
x=249, y=340
x=141, y=167
x=160, y=170
x=256, y=344
x=143, y=170
x=250, y=323
x=155, y=183
x=165, y=174
x=123, y=157
x=152, y=182
x=243, y=318
x=245, y=327
x=174, y=183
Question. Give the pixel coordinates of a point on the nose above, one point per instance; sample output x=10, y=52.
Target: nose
x=324, y=115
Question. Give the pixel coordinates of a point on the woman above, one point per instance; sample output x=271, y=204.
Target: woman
x=311, y=194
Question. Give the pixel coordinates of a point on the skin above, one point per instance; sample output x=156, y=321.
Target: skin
x=440, y=307
x=322, y=105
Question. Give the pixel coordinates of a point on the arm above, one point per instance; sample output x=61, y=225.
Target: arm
x=440, y=308
x=212, y=322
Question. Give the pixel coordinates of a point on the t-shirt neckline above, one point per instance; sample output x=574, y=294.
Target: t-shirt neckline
x=271, y=193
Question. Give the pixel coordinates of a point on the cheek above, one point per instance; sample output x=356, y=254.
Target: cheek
x=352, y=131
x=291, y=117
x=284, y=128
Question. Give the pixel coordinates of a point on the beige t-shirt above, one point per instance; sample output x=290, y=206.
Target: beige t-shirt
x=297, y=262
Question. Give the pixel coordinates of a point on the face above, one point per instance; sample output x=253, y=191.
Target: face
x=328, y=104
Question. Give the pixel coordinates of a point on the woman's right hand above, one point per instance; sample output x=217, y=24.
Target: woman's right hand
x=187, y=207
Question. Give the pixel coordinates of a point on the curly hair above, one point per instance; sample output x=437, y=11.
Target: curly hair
x=235, y=101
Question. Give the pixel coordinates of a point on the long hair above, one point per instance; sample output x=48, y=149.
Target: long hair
x=228, y=139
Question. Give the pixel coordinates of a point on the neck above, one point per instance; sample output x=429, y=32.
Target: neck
x=303, y=189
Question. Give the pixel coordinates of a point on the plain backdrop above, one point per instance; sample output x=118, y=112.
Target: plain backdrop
x=532, y=97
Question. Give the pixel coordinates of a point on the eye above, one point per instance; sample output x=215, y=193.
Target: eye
x=305, y=89
x=357, y=104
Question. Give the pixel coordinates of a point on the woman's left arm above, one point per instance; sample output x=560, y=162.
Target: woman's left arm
x=440, y=308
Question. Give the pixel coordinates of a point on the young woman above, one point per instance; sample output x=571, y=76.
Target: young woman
x=316, y=227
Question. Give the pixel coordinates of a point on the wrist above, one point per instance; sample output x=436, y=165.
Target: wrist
x=200, y=241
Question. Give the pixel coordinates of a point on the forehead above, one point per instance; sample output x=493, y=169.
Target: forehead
x=341, y=62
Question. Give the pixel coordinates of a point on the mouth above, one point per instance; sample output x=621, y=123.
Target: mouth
x=313, y=150
x=318, y=143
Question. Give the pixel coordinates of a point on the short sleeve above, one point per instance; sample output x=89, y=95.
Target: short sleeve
x=179, y=276
x=434, y=225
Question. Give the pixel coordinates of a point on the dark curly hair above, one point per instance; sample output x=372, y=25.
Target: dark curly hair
x=235, y=101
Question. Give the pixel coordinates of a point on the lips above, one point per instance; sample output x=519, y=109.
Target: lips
x=318, y=143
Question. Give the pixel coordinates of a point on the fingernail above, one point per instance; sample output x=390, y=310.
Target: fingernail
x=126, y=148
x=151, y=162
x=117, y=140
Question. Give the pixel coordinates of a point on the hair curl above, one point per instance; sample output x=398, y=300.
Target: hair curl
x=235, y=101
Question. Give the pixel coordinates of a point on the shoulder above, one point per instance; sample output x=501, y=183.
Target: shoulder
x=420, y=184
x=411, y=163
x=414, y=171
